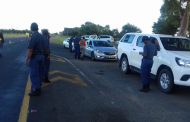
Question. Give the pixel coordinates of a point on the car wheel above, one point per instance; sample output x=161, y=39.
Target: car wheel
x=124, y=65
x=165, y=81
x=93, y=56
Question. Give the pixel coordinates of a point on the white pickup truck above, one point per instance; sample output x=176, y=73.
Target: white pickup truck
x=171, y=65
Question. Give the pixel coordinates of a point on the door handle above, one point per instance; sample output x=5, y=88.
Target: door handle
x=134, y=49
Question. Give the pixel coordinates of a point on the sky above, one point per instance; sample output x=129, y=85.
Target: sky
x=57, y=14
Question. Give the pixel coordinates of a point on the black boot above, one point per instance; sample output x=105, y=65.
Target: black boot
x=145, y=89
x=37, y=92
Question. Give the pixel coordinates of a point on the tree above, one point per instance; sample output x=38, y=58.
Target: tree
x=174, y=18
x=169, y=19
x=128, y=28
x=184, y=17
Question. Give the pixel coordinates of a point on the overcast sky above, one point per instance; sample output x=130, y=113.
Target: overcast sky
x=57, y=14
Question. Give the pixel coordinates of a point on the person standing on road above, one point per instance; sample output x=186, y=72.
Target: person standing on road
x=77, y=47
x=1, y=43
x=149, y=51
x=46, y=37
x=35, y=59
x=71, y=40
x=82, y=47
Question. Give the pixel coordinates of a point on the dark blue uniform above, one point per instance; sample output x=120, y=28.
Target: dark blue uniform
x=71, y=40
x=47, y=58
x=149, y=52
x=36, y=62
x=77, y=47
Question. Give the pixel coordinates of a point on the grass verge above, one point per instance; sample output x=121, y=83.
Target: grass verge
x=13, y=35
x=58, y=39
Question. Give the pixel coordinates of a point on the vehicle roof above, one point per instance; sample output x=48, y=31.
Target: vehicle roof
x=96, y=40
x=157, y=35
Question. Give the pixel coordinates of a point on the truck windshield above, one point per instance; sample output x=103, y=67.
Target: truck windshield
x=175, y=44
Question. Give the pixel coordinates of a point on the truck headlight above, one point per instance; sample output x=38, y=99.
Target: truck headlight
x=182, y=62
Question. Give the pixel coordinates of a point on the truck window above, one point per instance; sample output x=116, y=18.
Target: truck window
x=128, y=38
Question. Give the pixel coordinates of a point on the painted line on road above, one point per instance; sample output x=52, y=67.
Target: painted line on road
x=83, y=74
x=25, y=103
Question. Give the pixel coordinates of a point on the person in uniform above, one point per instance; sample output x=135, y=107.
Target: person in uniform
x=77, y=47
x=46, y=37
x=1, y=43
x=35, y=59
x=149, y=51
x=71, y=40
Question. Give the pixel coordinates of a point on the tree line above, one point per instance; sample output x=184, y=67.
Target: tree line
x=89, y=28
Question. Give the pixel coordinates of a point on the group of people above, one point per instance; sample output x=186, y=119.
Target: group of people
x=149, y=51
x=79, y=46
x=1, y=43
x=38, y=58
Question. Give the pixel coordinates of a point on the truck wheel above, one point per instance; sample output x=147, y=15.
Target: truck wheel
x=166, y=81
x=124, y=65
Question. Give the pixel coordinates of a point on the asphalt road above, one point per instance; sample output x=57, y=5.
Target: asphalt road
x=85, y=91
x=13, y=77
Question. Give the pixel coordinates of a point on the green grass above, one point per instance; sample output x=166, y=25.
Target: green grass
x=13, y=35
x=58, y=39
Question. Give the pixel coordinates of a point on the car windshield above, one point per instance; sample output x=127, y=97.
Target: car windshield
x=175, y=44
x=102, y=44
x=104, y=37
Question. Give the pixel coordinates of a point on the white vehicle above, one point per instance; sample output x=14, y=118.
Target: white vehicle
x=93, y=37
x=171, y=65
x=86, y=37
x=66, y=43
x=106, y=38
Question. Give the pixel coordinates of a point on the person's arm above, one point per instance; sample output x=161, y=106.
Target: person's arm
x=29, y=56
x=30, y=50
x=144, y=53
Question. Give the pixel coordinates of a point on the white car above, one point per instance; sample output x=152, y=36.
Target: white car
x=171, y=65
x=106, y=38
x=66, y=43
x=93, y=37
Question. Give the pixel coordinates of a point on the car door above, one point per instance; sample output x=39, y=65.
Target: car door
x=138, y=47
x=88, y=49
x=125, y=46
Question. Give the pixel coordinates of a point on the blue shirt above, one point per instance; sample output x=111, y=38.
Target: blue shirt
x=37, y=44
x=76, y=41
x=149, y=51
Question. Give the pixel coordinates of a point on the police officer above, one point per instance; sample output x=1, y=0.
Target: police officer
x=46, y=37
x=149, y=51
x=1, y=43
x=71, y=40
x=35, y=59
x=77, y=47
